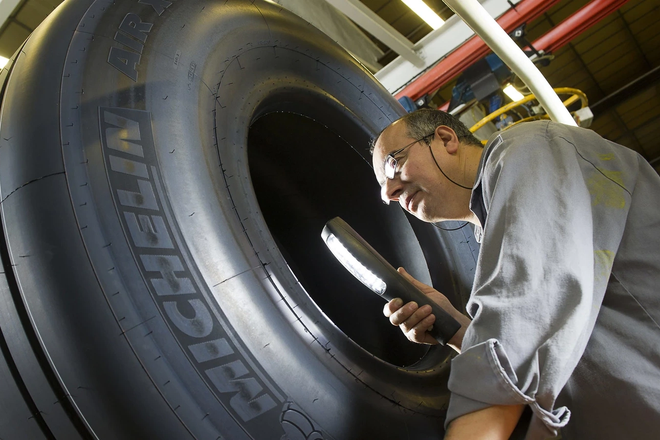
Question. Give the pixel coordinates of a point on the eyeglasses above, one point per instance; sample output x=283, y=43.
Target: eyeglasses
x=391, y=163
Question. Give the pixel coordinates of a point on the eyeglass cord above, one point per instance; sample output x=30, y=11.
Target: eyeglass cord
x=450, y=229
x=443, y=173
x=457, y=184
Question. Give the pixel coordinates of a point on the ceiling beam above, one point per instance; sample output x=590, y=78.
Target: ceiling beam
x=7, y=8
x=436, y=46
x=636, y=86
x=379, y=28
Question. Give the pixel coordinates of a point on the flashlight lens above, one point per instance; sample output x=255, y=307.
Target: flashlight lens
x=357, y=269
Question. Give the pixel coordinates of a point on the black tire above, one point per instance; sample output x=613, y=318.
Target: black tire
x=163, y=280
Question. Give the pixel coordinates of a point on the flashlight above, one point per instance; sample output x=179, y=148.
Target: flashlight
x=368, y=266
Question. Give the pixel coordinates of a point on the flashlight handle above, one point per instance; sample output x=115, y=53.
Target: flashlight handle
x=444, y=327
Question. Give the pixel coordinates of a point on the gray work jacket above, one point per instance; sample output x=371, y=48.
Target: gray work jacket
x=566, y=297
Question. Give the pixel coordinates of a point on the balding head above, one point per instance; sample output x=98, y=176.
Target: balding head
x=421, y=122
x=421, y=165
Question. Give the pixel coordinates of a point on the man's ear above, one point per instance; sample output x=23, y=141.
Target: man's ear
x=448, y=138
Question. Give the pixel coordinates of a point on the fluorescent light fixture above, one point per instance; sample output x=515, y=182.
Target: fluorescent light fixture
x=512, y=93
x=425, y=13
x=357, y=269
x=3, y=62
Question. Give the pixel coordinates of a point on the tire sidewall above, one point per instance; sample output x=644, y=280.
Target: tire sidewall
x=202, y=79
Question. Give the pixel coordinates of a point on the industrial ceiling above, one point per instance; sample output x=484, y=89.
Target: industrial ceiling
x=615, y=62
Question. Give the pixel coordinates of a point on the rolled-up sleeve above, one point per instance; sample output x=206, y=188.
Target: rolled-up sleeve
x=493, y=381
x=535, y=298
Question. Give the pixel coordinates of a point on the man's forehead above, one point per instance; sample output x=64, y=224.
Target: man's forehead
x=387, y=142
x=390, y=138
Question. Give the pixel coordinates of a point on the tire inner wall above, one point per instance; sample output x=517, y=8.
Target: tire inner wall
x=304, y=175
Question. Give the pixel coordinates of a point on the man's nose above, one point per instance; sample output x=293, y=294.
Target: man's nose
x=391, y=190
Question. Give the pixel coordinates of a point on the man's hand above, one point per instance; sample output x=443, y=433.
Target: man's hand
x=415, y=322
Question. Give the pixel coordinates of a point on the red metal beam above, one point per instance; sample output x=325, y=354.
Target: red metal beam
x=474, y=49
x=570, y=28
x=577, y=23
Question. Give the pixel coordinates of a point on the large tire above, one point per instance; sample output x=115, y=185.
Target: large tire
x=164, y=281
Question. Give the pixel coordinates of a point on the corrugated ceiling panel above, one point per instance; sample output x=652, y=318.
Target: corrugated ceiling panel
x=607, y=126
x=12, y=33
x=33, y=12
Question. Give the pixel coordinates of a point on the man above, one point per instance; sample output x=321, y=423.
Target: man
x=565, y=305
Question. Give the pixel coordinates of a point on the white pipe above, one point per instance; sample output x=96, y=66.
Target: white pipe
x=475, y=16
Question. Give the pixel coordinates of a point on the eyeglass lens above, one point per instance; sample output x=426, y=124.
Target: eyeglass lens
x=390, y=167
